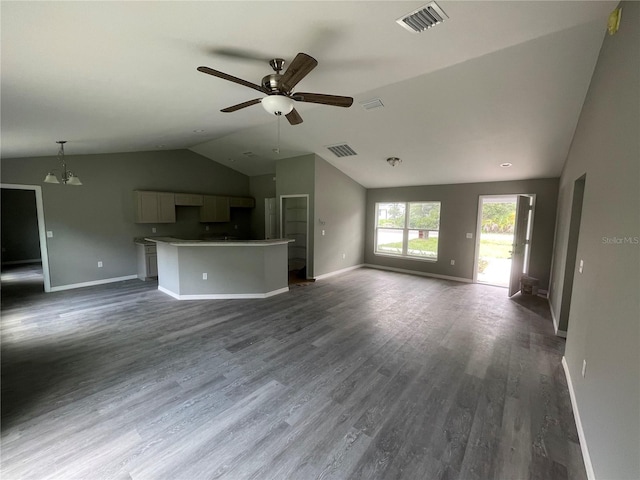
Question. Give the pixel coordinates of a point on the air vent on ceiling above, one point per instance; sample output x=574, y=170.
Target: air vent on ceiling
x=371, y=104
x=342, y=150
x=425, y=17
x=249, y=154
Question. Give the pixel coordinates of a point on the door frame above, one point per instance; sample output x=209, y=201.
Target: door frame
x=44, y=254
x=476, y=254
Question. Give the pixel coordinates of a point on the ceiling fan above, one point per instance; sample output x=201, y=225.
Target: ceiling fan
x=278, y=88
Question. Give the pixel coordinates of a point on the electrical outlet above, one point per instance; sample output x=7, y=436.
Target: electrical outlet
x=49, y=234
x=453, y=262
x=323, y=233
x=204, y=276
x=100, y=264
x=469, y=235
x=153, y=229
x=584, y=367
x=581, y=267
x=206, y=228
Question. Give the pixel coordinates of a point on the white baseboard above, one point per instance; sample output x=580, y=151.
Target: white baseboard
x=416, y=272
x=222, y=296
x=71, y=286
x=20, y=262
x=559, y=333
x=576, y=414
x=337, y=272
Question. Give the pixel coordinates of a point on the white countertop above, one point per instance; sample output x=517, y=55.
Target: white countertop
x=178, y=242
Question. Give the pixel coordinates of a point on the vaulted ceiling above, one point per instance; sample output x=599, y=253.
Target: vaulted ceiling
x=496, y=82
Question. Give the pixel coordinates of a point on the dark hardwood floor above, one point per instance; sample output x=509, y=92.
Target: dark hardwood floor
x=365, y=375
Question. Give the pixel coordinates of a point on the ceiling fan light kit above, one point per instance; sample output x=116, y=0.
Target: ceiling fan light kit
x=278, y=88
x=277, y=104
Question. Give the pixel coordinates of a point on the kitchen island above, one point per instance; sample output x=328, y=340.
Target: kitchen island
x=198, y=269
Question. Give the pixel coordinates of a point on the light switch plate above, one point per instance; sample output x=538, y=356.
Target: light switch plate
x=49, y=234
x=469, y=235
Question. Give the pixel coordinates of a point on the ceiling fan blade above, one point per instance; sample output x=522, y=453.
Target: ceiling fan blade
x=231, y=78
x=241, y=105
x=299, y=68
x=294, y=117
x=334, y=100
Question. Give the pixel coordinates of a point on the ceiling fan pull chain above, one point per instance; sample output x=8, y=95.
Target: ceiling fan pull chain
x=277, y=149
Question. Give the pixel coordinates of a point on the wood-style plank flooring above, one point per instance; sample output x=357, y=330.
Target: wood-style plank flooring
x=364, y=375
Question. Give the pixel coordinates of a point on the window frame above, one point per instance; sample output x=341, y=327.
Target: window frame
x=406, y=229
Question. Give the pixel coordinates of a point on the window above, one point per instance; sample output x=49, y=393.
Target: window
x=408, y=229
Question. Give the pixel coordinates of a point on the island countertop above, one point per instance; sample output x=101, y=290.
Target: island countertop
x=178, y=242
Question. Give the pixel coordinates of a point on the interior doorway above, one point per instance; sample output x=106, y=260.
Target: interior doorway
x=572, y=253
x=503, y=239
x=294, y=224
x=38, y=232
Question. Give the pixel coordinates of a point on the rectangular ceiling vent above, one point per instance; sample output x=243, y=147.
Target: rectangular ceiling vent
x=424, y=18
x=342, y=150
x=371, y=104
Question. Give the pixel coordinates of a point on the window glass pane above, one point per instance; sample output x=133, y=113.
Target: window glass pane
x=423, y=243
x=389, y=241
x=424, y=215
x=391, y=215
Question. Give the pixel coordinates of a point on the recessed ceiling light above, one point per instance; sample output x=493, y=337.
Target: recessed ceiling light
x=198, y=131
x=506, y=164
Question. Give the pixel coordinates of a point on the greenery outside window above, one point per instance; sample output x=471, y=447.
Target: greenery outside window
x=408, y=229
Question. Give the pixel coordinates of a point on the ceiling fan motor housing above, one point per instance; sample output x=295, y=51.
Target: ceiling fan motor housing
x=272, y=82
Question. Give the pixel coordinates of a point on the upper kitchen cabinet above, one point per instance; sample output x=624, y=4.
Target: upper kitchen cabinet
x=242, y=202
x=215, y=209
x=154, y=207
x=189, y=199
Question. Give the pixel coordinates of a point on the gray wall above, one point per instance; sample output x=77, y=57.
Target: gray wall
x=604, y=320
x=340, y=204
x=296, y=176
x=261, y=187
x=20, y=237
x=96, y=221
x=459, y=215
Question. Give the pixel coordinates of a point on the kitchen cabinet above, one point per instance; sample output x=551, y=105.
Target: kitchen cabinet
x=189, y=199
x=215, y=209
x=147, y=260
x=154, y=207
x=242, y=202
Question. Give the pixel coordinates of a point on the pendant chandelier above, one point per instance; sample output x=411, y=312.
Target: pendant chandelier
x=66, y=176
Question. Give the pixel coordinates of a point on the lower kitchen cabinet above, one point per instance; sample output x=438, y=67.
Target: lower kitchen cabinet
x=147, y=260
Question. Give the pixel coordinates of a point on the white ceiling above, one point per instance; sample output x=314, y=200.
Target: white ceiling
x=499, y=81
